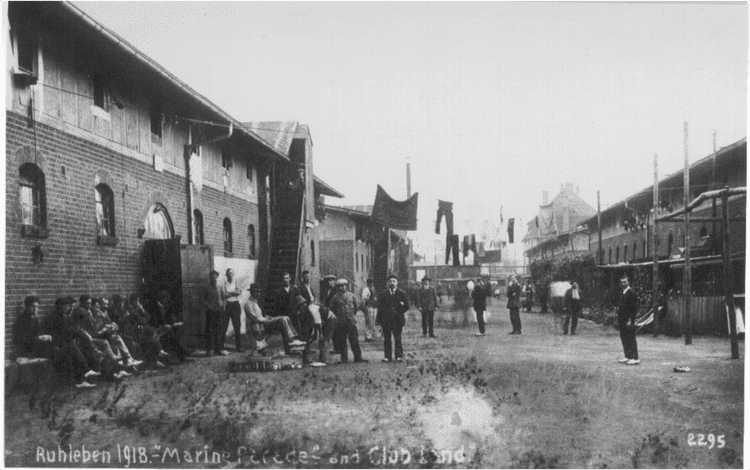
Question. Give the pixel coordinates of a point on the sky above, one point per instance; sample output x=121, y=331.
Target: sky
x=491, y=103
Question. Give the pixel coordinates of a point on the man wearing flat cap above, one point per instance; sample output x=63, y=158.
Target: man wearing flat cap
x=427, y=305
x=344, y=306
x=259, y=324
x=392, y=307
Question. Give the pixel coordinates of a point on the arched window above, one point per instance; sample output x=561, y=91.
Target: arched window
x=158, y=225
x=610, y=256
x=356, y=261
x=635, y=250
x=617, y=254
x=312, y=252
x=644, y=248
x=227, y=236
x=670, y=243
x=625, y=254
x=198, y=228
x=251, y=238
x=33, y=196
x=105, y=210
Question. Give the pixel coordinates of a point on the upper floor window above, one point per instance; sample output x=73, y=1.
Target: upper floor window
x=157, y=124
x=635, y=250
x=26, y=52
x=704, y=233
x=312, y=252
x=625, y=254
x=227, y=236
x=105, y=211
x=158, y=224
x=610, y=255
x=251, y=239
x=33, y=196
x=617, y=254
x=226, y=157
x=100, y=93
x=670, y=243
x=198, y=227
x=249, y=170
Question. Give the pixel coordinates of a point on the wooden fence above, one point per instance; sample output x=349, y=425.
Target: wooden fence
x=707, y=314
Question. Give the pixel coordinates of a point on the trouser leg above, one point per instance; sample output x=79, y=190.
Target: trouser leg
x=354, y=342
x=342, y=335
x=397, y=339
x=103, y=346
x=369, y=330
x=208, y=332
x=220, y=331
x=387, y=347
x=567, y=321
x=625, y=340
x=515, y=319
x=480, y=319
x=424, y=322
x=633, y=346
x=574, y=321
x=430, y=322
x=233, y=313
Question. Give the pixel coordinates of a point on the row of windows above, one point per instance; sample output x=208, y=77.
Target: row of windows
x=157, y=224
x=670, y=247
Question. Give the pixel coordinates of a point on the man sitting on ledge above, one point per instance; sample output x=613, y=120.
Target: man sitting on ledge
x=263, y=324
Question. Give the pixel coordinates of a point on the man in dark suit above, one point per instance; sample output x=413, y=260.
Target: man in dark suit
x=627, y=309
x=572, y=307
x=392, y=306
x=479, y=302
x=514, y=305
x=305, y=289
x=427, y=305
x=284, y=301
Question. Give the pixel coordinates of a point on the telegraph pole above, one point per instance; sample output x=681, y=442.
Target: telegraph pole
x=654, y=249
x=687, y=284
x=599, y=227
x=728, y=278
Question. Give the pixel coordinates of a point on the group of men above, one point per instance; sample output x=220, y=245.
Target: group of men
x=98, y=338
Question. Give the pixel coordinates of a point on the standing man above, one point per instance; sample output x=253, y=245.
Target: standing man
x=231, y=297
x=330, y=290
x=344, y=306
x=529, y=290
x=305, y=289
x=572, y=306
x=368, y=305
x=479, y=303
x=212, y=301
x=627, y=308
x=392, y=307
x=514, y=305
x=284, y=300
x=427, y=300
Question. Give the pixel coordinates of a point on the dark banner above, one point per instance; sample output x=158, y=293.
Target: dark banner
x=401, y=215
x=511, y=223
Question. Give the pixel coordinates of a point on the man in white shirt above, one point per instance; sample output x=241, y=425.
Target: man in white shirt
x=368, y=308
x=232, y=310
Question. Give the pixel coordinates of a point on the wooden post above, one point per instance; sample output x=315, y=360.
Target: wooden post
x=599, y=227
x=687, y=288
x=713, y=200
x=654, y=249
x=728, y=277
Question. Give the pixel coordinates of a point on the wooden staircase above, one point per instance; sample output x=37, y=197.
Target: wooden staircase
x=285, y=245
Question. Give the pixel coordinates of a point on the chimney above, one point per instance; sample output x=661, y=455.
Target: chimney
x=569, y=187
x=545, y=198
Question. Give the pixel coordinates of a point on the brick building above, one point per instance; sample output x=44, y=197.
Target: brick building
x=627, y=227
x=107, y=151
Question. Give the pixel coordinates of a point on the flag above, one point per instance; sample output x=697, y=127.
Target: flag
x=511, y=223
x=401, y=215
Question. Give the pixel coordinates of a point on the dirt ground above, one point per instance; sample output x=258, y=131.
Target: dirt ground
x=536, y=400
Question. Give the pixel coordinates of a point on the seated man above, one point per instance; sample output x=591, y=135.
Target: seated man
x=27, y=333
x=320, y=323
x=106, y=329
x=134, y=321
x=169, y=331
x=84, y=320
x=262, y=324
x=73, y=352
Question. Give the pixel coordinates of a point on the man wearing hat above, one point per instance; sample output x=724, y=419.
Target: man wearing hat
x=327, y=293
x=344, y=306
x=260, y=324
x=368, y=306
x=514, y=305
x=213, y=303
x=392, y=307
x=427, y=305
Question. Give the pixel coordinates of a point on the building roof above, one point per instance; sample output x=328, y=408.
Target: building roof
x=721, y=153
x=550, y=220
x=79, y=18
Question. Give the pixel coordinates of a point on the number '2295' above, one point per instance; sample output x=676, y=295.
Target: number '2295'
x=708, y=440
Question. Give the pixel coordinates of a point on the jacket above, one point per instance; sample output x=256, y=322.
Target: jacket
x=480, y=298
x=392, y=308
x=627, y=306
x=427, y=299
x=514, y=296
x=569, y=303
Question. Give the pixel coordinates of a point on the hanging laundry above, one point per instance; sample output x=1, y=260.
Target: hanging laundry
x=511, y=223
x=444, y=208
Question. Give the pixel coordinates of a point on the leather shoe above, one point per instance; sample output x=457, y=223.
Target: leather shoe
x=361, y=360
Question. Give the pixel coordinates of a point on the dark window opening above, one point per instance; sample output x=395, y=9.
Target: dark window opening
x=105, y=211
x=704, y=233
x=226, y=157
x=625, y=254
x=100, y=92
x=156, y=125
x=617, y=254
x=249, y=170
x=610, y=256
x=670, y=243
x=33, y=196
x=26, y=52
x=312, y=252
x=198, y=227
x=227, y=237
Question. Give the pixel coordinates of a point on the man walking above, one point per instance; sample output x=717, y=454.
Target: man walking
x=212, y=301
x=479, y=298
x=392, y=307
x=514, y=305
x=627, y=308
x=368, y=305
x=231, y=297
x=572, y=306
x=427, y=300
x=344, y=306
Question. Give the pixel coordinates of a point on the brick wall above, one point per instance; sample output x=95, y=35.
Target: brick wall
x=73, y=262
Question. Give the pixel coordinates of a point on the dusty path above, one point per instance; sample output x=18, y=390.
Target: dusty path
x=539, y=399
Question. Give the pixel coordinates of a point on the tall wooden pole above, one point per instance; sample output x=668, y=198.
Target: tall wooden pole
x=687, y=290
x=713, y=187
x=728, y=277
x=654, y=248
x=599, y=227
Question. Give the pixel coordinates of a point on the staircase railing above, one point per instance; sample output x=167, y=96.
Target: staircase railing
x=328, y=268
